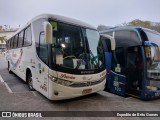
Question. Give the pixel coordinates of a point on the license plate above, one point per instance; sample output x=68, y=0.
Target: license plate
x=87, y=91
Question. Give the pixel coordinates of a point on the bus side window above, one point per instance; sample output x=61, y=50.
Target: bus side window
x=27, y=37
x=43, y=48
x=7, y=44
x=15, y=41
x=11, y=43
x=16, y=37
x=20, y=40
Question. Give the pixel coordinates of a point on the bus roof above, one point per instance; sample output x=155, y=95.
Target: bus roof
x=127, y=28
x=125, y=39
x=58, y=18
x=65, y=20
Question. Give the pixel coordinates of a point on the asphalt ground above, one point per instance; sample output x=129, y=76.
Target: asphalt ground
x=15, y=96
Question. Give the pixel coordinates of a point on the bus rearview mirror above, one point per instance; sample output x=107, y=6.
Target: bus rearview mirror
x=112, y=40
x=48, y=32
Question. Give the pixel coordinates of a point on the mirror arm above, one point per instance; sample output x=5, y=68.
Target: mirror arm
x=48, y=32
x=112, y=40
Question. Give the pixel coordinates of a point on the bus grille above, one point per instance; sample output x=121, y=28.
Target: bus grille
x=87, y=83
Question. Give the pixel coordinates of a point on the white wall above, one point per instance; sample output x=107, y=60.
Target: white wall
x=8, y=34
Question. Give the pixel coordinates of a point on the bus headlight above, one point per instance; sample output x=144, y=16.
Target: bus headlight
x=61, y=82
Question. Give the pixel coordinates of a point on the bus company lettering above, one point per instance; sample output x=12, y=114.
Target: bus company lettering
x=44, y=87
x=67, y=76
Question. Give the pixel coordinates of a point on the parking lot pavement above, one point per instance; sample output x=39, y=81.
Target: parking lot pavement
x=24, y=100
x=1, y=55
x=33, y=101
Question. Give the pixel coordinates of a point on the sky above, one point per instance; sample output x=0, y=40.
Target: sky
x=95, y=12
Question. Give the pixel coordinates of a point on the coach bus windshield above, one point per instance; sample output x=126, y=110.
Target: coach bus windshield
x=153, y=55
x=74, y=47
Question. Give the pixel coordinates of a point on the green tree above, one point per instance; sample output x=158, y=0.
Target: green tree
x=2, y=38
x=146, y=24
x=137, y=22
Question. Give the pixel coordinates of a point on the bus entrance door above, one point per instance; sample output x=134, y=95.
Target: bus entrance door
x=134, y=71
x=116, y=82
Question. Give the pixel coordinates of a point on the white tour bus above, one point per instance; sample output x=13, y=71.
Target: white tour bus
x=58, y=57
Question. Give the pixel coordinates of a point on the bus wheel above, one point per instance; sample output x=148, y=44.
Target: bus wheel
x=30, y=82
x=9, y=68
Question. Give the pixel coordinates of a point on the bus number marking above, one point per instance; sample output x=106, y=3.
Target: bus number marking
x=157, y=94
x=116, y=84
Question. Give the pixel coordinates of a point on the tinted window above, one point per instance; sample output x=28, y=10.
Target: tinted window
x=126, y=38
x=27, y=37
x=106, y=44
x=70, y=37
x=100, y=51
x=15, y=41
x=7, y=44
x=143, y=35
x=43, y=49
x=11, y=43
x=71, y=40
x=37, y=28
x=20, y=40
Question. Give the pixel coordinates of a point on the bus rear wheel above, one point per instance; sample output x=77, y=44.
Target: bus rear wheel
x=30, y=82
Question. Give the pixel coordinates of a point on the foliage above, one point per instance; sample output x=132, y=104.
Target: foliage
x=2, y=38
x=146, y=24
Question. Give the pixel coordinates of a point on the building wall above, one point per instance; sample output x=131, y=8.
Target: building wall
x=8, y=34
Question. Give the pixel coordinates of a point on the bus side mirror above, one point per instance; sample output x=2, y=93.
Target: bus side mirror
x=112, y=40
x=48, y=32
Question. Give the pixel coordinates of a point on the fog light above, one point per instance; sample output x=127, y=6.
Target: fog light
x=56, y=93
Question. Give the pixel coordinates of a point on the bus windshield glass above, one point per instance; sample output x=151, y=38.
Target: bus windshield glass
x=93, y=38
x=70, y=48
x=153, y=55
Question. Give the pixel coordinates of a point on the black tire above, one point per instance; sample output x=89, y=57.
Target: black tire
x=30, y=82
x=9, y=69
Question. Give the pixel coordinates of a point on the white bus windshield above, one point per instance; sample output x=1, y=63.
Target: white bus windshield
x=70, y=47
x=93, y=38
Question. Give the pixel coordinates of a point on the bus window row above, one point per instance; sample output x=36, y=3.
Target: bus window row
x=21, y=39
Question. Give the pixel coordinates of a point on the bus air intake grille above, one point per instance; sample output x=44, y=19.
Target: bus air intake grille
x=87, y=83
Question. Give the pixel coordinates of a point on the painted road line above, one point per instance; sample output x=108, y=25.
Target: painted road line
x=1, y=79
x=8, y=88
x=33, y=92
